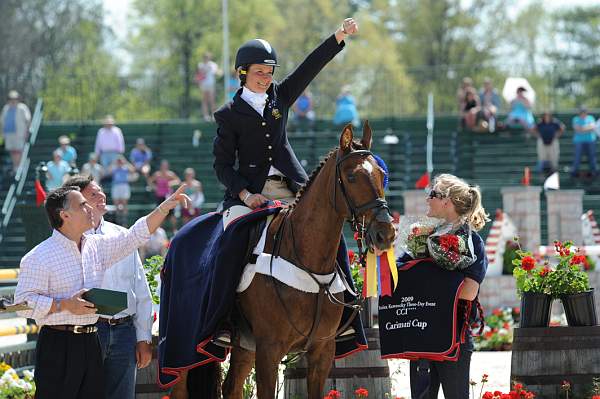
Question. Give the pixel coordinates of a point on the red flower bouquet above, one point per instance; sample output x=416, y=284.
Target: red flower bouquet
x=451, y=247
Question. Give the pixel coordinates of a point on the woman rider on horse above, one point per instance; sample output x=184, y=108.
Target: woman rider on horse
x=252, y=127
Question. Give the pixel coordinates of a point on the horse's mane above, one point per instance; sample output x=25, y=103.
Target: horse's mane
x=355, y=146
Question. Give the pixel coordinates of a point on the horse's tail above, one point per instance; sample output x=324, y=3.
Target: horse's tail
x=204, y=382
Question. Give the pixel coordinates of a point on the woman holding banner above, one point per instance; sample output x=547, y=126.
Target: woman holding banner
x=455, y=246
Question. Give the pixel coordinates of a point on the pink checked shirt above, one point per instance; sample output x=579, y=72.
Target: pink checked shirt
x=56, y=269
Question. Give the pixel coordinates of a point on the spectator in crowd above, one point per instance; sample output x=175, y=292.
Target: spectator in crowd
x=471, y=110
x=345, y=108
x=15, y=120
x=126, y=337
x=93, y=168
x=52, y=279
x=584, y=138
x=548, y=131
x=304, y=115
x=520, y=111
x=234, y=84
x=121, y=172
x=163, y=181
x=140, y=157
x=57, y=170
x=206, y=77
x=194, y=191
x=490, y=103
x=461, y=94
x=156, y=245
x=109, y=142
x=67, y=152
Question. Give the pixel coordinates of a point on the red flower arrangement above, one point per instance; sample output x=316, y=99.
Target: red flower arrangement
x=361, y=393
x=528, y=263
x=449, y=242
x=333, y=394
x=518, y=392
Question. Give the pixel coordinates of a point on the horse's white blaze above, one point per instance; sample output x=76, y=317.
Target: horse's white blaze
x=368, y=166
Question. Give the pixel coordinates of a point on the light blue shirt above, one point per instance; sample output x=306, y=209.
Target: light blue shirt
x=583, y=137
x=69, y=155
x=56, y=173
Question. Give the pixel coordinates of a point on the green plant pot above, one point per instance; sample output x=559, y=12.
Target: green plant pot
x=580, y=308
x=535, y=309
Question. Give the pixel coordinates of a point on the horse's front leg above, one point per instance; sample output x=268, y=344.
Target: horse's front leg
x=240, y=365
x=320, y=358
x=268, y=357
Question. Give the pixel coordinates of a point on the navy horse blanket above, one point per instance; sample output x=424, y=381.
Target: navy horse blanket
x=202, y=270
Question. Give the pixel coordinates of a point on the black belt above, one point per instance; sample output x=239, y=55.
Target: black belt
x=114, y=322
x=74, y=329
x=277, y=178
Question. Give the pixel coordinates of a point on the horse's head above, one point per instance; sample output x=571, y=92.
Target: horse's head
x=360, y=185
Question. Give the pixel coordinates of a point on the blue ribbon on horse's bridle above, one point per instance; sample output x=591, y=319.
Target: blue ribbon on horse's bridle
x=382, y=212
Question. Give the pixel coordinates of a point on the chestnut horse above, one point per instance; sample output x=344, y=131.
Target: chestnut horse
x=348, y=184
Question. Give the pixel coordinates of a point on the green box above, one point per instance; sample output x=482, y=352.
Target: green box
x=108, y=302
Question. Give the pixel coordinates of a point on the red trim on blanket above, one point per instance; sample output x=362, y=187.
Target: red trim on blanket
x=359, y=348
x=176, y=371
x=200, y=349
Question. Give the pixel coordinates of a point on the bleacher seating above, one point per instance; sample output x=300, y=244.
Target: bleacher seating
x=490, y=160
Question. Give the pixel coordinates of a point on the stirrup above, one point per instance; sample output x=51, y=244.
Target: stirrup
x=222, y=339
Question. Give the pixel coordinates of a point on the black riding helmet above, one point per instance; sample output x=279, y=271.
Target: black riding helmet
x=256, y=51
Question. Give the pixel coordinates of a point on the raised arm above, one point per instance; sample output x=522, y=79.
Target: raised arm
x=294, y=84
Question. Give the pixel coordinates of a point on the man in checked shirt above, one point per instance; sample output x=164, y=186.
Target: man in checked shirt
x=125, y=338
x=53, y=277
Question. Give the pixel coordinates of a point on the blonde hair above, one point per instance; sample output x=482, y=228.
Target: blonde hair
x=466, y=199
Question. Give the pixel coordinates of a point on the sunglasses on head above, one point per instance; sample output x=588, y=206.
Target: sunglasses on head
x=434, y=194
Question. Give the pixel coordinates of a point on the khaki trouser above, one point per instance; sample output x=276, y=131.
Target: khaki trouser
x=549, y=153
x=278, y=190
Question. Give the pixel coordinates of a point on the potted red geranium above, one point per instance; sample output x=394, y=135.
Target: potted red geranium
x=532, y=285
x=570, y=283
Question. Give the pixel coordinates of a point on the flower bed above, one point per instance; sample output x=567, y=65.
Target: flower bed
x=498, y=331
x=14, y=387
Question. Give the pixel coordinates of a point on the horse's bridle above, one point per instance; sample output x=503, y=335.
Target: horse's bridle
x=382, y=212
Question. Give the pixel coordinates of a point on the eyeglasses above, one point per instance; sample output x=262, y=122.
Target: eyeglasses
x=435, y=194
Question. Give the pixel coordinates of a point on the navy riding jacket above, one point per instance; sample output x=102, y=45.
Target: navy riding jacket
x=247, y=144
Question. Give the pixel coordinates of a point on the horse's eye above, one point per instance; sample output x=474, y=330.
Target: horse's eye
x=351, y=178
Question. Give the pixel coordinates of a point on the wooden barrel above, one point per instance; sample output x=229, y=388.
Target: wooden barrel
x=145, y=384
x=544, y=357
x=364, y=369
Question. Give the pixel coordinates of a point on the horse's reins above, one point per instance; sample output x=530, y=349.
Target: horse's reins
x=325, y=288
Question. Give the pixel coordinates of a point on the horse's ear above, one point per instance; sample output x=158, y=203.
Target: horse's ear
x=346, y=138
x=367, y=137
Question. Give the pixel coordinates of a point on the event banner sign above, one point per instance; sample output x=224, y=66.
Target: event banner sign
x=419, y=320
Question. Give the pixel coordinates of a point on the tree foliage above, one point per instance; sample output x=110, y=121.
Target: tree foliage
x=576, y=55
x=405, y=49
x=42, y=35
